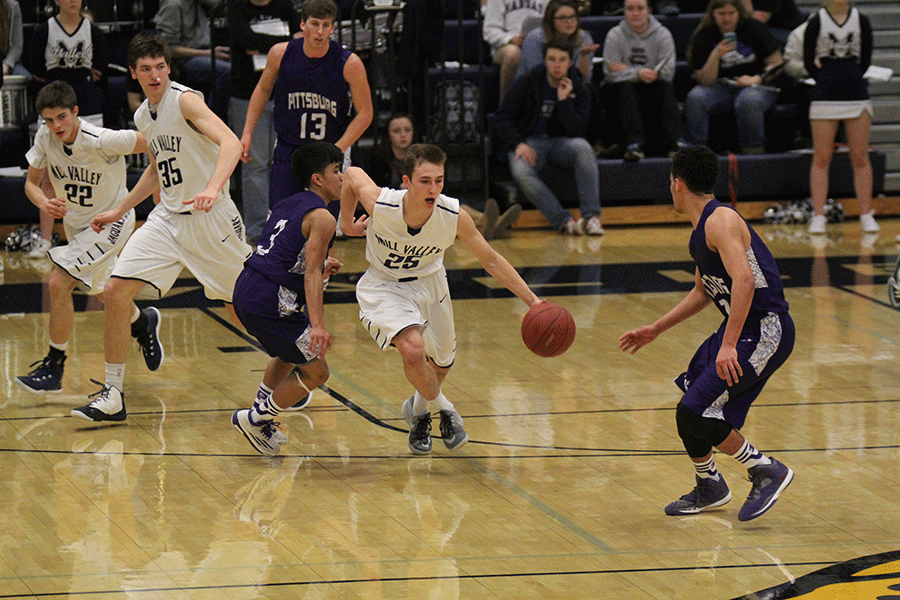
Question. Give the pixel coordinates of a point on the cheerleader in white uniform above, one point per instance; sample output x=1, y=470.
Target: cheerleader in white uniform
x=837, y=50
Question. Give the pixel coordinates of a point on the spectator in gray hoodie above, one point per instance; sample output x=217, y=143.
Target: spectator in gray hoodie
x=639, y=54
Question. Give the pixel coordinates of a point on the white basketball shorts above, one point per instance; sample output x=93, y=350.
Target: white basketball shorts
x=210, y=245
x=388, y=306
x=89, y=257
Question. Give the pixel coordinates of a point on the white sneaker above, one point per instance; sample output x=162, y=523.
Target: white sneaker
x=570, y=227
x=265, y=438
x=868, y=224
x=40, y=249
x=107, y=405
x=817, y=224
x=590, y=226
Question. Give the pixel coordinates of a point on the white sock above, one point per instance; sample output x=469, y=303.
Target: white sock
x=707, y=469
x=264, y=391
x=136, y=313
x=115, y=375
x=420, y=404
x=750, y=456
x=61, y=347
x=264, y=410
x=443, y=403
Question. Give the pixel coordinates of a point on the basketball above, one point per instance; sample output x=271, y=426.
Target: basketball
x=548, y=329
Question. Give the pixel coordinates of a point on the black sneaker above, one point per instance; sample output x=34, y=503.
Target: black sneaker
x=46, y=377
x=768, y=483
x=708, y=493
x=419, y=439
x=108, y=405
x=151, y=347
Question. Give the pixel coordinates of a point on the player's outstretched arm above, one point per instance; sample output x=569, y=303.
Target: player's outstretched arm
x=55, y=207
x=205, y=120
x=492, y=261
x=358, y=188
x=690, y=305
x=361, y=96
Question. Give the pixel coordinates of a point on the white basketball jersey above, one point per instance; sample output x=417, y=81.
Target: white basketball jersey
x=66, y=51
x=185, y=158
x=89, y=173
x=395, y=250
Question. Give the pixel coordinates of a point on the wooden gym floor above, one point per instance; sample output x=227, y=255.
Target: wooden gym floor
x=558, y=494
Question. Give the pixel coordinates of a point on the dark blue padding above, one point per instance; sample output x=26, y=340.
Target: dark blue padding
x=776, y=176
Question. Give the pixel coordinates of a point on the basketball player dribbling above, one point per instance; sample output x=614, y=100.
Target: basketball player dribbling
x=404, y=298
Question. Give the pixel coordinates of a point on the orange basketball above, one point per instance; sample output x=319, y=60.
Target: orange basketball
x=548, y=329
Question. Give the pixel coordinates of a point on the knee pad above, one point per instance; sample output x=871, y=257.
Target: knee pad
x=698, y=433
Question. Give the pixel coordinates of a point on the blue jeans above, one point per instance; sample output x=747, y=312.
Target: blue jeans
x=750, y=105
x=573, y=153
x=255, y=174
x=198, y=70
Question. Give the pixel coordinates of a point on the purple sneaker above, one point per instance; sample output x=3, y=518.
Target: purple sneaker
x=768, y=483
x=708, y=493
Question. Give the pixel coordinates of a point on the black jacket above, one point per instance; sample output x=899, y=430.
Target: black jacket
x=518, y=114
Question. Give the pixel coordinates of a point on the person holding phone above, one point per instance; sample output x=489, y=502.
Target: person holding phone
x=728, y=53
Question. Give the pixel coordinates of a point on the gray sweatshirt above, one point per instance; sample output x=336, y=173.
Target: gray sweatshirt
x=655, y=48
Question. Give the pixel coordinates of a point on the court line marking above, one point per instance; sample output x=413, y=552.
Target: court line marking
x=460, y=576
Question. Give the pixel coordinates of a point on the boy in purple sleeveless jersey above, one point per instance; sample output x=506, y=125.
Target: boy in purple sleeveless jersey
x=736, y=272
x=279, y=295
x=314, y=81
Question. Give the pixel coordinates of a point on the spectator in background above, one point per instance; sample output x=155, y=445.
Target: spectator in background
x=505, y=27
x=386, y=170
x=728, y=52
x=71, y=48
x=639, y=55
x=560, y=20
x=801, y=93
x=782, y=16
x=837, y=50
x=255, y=26
x=544, y=119
x=11, y=40
x=184, y=25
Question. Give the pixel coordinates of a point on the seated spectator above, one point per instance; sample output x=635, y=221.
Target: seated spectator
x=184, y=25
x=11, y=40
x=386, y=170
x=560, y=20
x=801, y=93
x=505, y=27
x=728, y=52
x=782, y=16
x=543, y=119
x=639, y=55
